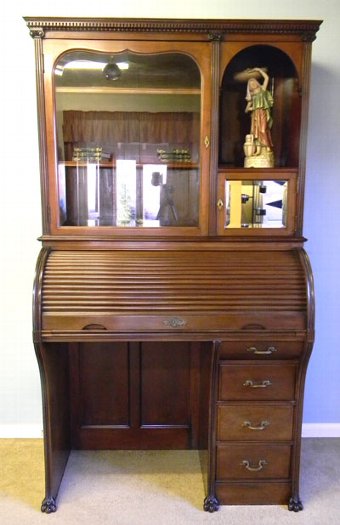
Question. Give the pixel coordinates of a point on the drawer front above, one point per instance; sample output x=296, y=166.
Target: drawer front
x=254, y=423
x=266, y=381
x=253, y=493
x=253, y=461
x=254, y=349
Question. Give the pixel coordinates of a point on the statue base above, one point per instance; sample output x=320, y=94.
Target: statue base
x=264, y=160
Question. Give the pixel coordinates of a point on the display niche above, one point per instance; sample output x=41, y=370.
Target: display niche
x=285, y=112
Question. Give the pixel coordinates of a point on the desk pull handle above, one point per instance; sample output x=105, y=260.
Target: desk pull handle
x=260, y=384
x=94, y=327
x=248, y=466
x=262, y=426
x=270, y=350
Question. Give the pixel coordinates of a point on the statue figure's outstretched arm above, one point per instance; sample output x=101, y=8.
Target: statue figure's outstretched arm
x=264, y=76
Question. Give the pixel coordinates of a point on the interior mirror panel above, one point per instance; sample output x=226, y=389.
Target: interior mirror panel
x=256, y=204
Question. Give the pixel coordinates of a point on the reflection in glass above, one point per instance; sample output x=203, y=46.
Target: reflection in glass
x=121, y=119
x=93, y=204
x=256, y=204
x=154, y=178
x=126, y=192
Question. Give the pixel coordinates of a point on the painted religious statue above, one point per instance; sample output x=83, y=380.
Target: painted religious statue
x=258, y=146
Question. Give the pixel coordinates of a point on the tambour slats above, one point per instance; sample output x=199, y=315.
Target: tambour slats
x=144, y=282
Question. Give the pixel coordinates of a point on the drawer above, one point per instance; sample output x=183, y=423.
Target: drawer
x=252, y=461
x=253, y=493
x=262, y=381
x=254, y=422
x=254, y=349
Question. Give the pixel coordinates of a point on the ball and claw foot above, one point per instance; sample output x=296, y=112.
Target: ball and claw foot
x=295, y=505
x=48, y=505
x=211, y=504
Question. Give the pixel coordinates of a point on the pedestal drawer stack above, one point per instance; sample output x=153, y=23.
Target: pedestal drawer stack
x=255, y=417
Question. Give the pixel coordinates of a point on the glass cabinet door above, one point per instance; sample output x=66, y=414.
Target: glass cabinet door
x=128, y=127
x=257, y=201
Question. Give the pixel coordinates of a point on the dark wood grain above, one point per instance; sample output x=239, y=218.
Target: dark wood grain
x=269, y=421
x=231, y=460
x=256, y=382
x=147, y=338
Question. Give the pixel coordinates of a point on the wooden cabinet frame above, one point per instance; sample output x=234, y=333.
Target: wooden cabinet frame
x=218, y=323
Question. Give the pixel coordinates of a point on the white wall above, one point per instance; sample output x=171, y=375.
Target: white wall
x=20, y=402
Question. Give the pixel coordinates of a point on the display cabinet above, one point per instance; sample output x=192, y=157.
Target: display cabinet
x=173, y=300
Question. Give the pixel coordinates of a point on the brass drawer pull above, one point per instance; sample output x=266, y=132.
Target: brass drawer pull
x=262, y=426
x=260, y=384
x=270, y=350
x=246, y=464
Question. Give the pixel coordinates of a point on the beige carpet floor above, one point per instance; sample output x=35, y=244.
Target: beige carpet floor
x=153, y=488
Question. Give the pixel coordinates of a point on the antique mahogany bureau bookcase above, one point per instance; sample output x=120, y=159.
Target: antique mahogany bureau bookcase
x=173, y=300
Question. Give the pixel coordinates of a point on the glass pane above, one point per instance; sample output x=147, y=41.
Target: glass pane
x=256, y=204
x=128, y=128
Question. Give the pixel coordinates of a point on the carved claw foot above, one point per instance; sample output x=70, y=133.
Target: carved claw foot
x=211, y=504
x=295, y=505
x=48, y=505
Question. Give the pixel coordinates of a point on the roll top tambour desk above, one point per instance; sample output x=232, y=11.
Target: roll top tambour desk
x=173, y=300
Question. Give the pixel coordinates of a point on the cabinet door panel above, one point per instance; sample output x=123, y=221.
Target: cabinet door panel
x=165, y=384
x=103, y=384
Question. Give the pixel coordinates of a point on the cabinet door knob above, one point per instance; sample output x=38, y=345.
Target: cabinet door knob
x=220, y=204
x=257, y=384
x=262, y=426
x=248, y=466
x=206, y=142
x=270, y=350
